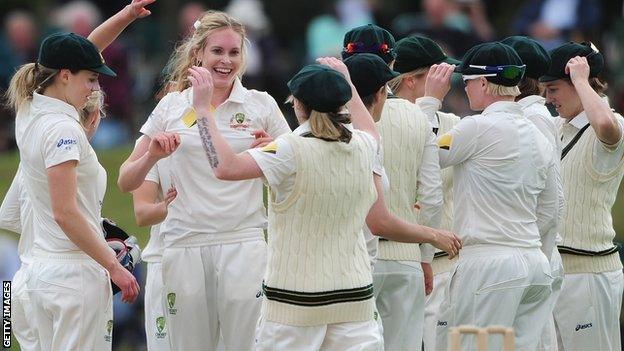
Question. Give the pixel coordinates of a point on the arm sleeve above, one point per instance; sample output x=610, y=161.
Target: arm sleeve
x=430, y=193
x=276, y=160
x=156, y=121
x=276, y=124
x=605, y=157
x=429, y=106
x=10, y=209
x=65, y=141
x=459, y=144
x=548, y=211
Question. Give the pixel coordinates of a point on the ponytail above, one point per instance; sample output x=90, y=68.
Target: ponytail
x=329, y=126
x=29, y=78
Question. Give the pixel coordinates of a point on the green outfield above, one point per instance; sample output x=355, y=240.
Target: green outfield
x=118, y=206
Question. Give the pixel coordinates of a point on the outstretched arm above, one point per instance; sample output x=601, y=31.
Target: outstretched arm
x=107, y=32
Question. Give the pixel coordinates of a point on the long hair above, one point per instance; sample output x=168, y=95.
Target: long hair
x=94, y=103
x=29, y=78
x=328, y=126
x=395, y=84
x=187, y=52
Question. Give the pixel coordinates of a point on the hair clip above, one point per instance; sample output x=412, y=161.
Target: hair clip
x=197, y=24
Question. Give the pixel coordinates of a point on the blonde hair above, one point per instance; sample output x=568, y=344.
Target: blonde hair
x=327, y=126
x=501, y=90
x=94, y=103
x=29, y=78
x=186, y=53
x=395, y=84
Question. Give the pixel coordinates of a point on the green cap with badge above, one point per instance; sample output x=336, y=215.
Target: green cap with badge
x=370, y=39
x=417, y=52
x=73, y=52
x=532, y=54
x=497, y=62
x=560, y=56
x=369, y=73
x=320, y=87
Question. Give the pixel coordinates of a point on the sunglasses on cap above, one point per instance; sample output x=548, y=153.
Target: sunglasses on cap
x=506, y=71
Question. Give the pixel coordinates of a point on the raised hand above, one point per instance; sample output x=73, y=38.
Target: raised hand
x=137, y=9
x=578, y=69
x=336, y=64
x=201, y=80
x=438, y=81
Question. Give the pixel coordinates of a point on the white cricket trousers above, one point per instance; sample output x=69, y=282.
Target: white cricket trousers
x=156, y=328
x=433, y=305
x=497, y=285
x=21, y=311
x=548, y=340
x=71, y=302
x=212, y=290
x=587, y=314
x=399, y=288
x=350, y=336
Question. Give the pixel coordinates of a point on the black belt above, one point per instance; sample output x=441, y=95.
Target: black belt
x=581, y=252
x=440, y=254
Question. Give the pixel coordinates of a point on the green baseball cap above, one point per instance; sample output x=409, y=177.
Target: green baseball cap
x=497, y=62
x=370, y=39
x=369, y=73
x=419, y=52
x=71, y=51
x=532, y=54
x=320, y=87
x=560, y=56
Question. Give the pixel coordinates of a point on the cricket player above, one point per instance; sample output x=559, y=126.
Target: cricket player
x=505, y=186
x=588, y=309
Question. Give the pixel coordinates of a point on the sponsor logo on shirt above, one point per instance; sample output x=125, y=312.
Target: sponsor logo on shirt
x=239, y=121
x=270, y=148
x=66, y=142
x=442, y=323
x=444, y=142
x=109, y=331
x=583, y=326
x=161, y=324
x=171, y=300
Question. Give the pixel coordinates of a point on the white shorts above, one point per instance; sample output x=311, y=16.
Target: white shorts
x=212, y=290
x=433, y=304
x=72, y=304
x=351, y=336
x=155, y=314
x=22, y=320
x=498, y=285
x=587, y=313
x=399, y=288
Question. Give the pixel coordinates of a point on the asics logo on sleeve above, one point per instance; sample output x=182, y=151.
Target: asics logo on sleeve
x=583, y=326
x=62, y=142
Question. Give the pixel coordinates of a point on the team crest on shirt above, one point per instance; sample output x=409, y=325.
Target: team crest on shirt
x=161, y=325
x=445, y=141
x=109, y=331
x=171, y=300
x=239, y=121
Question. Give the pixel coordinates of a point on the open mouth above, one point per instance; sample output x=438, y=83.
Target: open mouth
x=224, y=72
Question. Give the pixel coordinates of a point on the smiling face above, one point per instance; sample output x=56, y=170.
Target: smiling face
x=223, y=56
x=564, y=98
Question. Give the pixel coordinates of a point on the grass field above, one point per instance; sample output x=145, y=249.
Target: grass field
x=118, y=206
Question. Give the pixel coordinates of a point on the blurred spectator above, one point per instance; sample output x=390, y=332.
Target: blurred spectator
x=189, y=13
x=553, y=22
x=18, y=45
x=81, y=17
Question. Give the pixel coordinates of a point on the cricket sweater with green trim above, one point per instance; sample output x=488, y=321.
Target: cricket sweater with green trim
x=318, y=268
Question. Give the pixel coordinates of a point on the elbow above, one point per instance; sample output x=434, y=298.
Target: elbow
x=62, y=217
x=224, y=173
x=140, y=221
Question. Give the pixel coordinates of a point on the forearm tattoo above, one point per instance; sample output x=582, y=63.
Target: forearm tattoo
x=206, y=139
